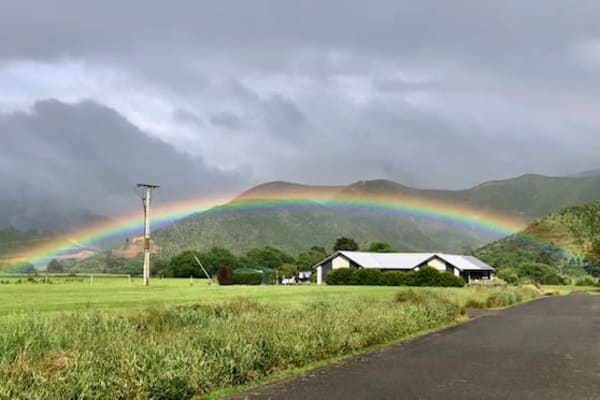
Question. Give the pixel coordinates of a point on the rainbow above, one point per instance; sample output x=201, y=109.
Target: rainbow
x=486, y=222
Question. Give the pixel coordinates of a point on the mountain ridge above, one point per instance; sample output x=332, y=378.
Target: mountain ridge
x=526, y=198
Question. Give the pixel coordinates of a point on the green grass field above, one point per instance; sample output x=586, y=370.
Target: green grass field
x=184, y=339
x=73, y=294
x=67, y=294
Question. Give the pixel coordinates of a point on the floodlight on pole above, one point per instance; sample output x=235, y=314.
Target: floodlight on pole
x=146, y=199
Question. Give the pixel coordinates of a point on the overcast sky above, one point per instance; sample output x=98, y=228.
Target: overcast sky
x=209, y=97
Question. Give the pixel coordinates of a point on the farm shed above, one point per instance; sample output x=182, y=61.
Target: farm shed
x=467, y=267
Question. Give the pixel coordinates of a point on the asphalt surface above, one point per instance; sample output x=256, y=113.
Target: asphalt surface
x=546, y=349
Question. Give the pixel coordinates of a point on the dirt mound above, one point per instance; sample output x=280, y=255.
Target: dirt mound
x=134, y=247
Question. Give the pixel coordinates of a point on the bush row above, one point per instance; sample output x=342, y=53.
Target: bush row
x=424, y=277
x=247, y=278
x=226, y=276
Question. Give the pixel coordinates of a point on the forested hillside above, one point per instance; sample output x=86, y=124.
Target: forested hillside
x=568, y=241
x=291, y=228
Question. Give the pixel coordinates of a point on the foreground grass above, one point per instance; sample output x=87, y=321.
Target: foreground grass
x=181, y=351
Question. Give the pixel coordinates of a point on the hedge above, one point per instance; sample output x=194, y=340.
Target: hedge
x=247, y=278
x=427, y=276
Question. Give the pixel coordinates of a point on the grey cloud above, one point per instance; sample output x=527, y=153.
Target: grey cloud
x=73, y=28
x=284, y=119
x=445, y=94
x=227, y=120
x=85, y=159
x=187, y=117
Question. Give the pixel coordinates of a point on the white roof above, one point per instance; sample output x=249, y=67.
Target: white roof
x=410, y=260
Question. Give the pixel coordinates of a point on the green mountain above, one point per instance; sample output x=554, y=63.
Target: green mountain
x=295, y=228
x=526, y=196
x=566, y=237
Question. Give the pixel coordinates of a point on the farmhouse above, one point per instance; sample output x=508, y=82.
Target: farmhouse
x=467, y=267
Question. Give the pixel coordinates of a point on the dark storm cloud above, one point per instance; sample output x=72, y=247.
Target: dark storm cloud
x=87, y=158
x=479, y=28
x=429, y=93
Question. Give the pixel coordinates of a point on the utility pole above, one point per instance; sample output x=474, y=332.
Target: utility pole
x=146, y=202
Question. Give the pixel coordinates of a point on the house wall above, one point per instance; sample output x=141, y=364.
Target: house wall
x=322, y=271
x=437, y=264
x=335, y=263
x=443, y=266
x=340, y=262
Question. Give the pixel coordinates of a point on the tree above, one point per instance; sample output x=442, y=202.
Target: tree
x=593, y=254
x=380, y=247
x=310, y=258
x=217, y=257
x=55, y=266
x=26, y=268
x=267, y=256
x=133, y=266
x=184, y=265
x=113, y=264
x=287, y=270
x=158, y=266
x=344, y=243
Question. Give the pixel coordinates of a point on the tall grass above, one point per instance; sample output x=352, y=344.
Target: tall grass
x=177, y=352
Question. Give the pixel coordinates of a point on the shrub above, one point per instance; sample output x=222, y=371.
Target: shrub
x=429, y=276
x=450, y=280
x=586, y=281
x=341, y=276
x=425, y=277
x=393, y=278
x=372, y=277
x=225, y=276
x=247, y=278
x=540, y=273
x=509, y=275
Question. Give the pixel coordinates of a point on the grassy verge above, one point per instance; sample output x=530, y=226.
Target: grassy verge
x=566, y=289
x=175, y=352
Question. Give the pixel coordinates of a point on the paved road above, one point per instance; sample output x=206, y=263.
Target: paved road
x=547, y=349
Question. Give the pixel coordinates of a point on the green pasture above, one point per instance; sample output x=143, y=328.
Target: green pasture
x=73, y=294
x=65, y=294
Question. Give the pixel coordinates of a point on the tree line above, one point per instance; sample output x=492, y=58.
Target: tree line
x=184, y=264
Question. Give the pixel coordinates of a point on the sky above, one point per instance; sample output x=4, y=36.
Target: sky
x=212, y=97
